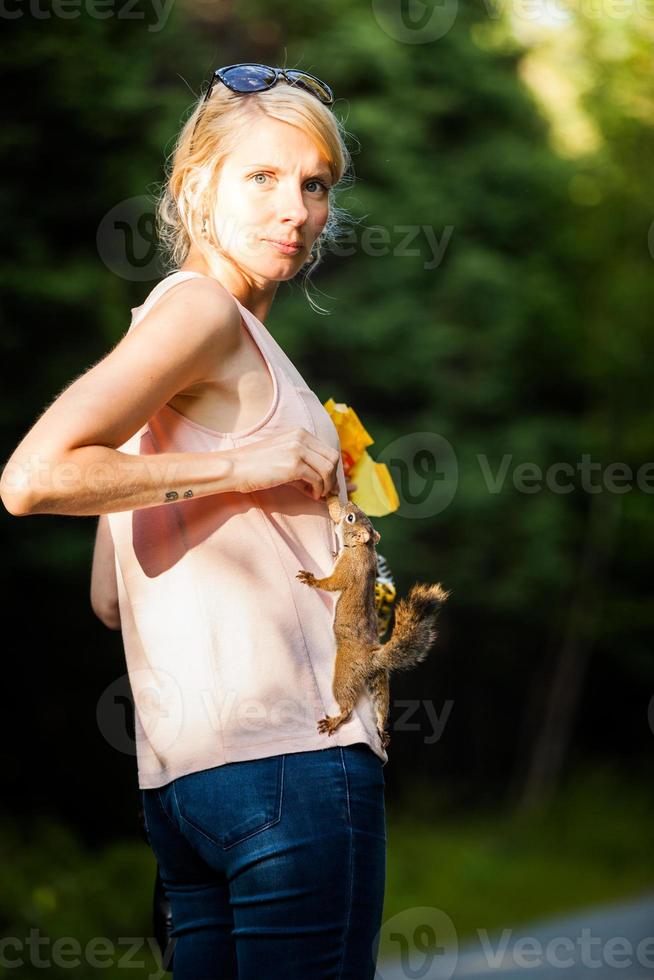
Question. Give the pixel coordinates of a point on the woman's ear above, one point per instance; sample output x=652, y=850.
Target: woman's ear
x=377, y=537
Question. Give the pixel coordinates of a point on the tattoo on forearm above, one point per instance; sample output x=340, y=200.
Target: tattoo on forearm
x=173, y=495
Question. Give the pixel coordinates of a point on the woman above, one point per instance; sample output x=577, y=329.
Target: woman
x=210, y=460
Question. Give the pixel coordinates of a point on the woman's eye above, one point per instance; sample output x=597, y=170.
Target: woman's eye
x=316, y=183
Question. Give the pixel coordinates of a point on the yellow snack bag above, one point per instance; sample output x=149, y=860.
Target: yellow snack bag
x=375, y=493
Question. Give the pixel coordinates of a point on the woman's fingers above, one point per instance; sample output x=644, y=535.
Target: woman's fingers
x=303, y=488
x=321, y=472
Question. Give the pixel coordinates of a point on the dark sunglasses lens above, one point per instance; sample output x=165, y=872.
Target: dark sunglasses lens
x=249, y=78
x=314, y=85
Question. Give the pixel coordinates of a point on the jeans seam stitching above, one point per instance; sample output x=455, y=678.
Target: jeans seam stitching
x=351, y=869
x=281, y=788
x=163, y=809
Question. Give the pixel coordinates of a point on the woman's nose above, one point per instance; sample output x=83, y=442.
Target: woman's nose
x=292, y=206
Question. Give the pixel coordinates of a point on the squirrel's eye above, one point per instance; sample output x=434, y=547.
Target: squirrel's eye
x=351, y=518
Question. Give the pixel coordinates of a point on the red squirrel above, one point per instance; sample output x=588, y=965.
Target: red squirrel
x=360, y=658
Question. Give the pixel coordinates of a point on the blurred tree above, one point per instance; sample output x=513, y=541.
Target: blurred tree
x=608, y=60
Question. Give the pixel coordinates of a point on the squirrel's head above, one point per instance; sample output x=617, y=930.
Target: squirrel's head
x=354, y=524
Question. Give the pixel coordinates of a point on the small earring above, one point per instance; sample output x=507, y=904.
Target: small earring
x=204, y=227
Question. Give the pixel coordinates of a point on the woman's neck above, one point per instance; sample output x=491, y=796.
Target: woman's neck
x=258, y=300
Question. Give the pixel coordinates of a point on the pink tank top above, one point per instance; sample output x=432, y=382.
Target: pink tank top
x=229, y=656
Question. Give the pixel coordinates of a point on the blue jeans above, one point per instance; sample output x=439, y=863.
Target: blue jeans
x=274, y=867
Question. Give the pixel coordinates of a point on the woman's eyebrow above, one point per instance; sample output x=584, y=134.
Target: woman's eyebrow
x=269, y=166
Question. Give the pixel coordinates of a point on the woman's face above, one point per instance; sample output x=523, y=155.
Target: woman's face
x=273, y=188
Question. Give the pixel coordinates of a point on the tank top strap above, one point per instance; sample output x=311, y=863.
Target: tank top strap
x=173, y=279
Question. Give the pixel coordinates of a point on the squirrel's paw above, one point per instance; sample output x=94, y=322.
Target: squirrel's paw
x=327, y=724
x=385, y=738
x=307, y=577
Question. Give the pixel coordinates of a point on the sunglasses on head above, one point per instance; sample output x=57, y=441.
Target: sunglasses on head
x=245, y=77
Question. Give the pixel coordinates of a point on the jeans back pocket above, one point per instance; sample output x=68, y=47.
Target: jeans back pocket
x=228, y=804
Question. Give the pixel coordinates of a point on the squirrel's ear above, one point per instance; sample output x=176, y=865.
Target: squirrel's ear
x=334, y=508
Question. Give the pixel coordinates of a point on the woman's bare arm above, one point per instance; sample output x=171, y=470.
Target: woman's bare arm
x=68, y=464
x=104, y=587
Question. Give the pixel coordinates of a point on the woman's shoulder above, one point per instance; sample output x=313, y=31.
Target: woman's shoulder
x=199, y=299
x=193, y=284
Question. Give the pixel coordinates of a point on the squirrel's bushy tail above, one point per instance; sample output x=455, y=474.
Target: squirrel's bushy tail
x=414, y=631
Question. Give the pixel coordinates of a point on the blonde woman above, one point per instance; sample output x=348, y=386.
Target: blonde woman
x=209, y=459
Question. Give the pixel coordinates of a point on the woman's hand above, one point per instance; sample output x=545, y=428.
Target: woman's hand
x=295, y=456
x=351, y=487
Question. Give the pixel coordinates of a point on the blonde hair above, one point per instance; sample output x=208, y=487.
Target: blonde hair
x=208, y=136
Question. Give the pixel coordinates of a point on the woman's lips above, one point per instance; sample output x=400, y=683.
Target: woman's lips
x=285, y=249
